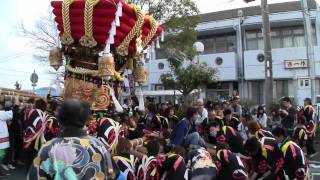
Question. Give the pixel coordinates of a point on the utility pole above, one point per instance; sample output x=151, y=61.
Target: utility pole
x=310, y=48
x=268, y=93
x=318, y=23
x=240, y=59
x=268, y=85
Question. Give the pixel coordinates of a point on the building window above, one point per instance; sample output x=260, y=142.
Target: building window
x=257, y=92
x=208, y=45
x=219, y=44
x=276, y=39
x=254, y=40
x=280, y=38
x=298, y=38
x=231, y=43
x=314, y=35
x=287, y=38
x=161, y=66
x=158, y=87
x=160, y=54
x=282, y=88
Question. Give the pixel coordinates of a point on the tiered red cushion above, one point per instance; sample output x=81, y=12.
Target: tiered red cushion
x=103, y=16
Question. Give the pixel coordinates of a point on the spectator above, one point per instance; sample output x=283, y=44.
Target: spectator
x=162, y=110
x=211, y=118
x=235, y=107
x=202, y=112
x=135, y=102
x=275, y=119
x=225, y=105
x=211, y=136
x=16, y=133
x=243, y=126
x=172, y=118
x=13, y=129
x=231, y=120
x=67, y=156
x=210, y=105
x=288, y=115
x=153, y=122
x=217, y=109
x=135, y=128
x=5, y=116
x=127, y=106
x=185, y=133
x=262, y=117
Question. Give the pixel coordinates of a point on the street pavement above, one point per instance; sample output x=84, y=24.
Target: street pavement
x=16, y=174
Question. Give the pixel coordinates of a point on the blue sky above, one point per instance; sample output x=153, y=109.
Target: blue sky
x=16, y=54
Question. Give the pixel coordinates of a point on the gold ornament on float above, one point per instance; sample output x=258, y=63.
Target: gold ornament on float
x=55, y=58
x=106, y=68
x=102, y=98
x=140, y=72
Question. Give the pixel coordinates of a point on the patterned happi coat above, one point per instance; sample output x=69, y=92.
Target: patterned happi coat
x=72, y=156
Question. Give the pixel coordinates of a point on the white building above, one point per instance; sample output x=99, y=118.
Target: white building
x=234, y=44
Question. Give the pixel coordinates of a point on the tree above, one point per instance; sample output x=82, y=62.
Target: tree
x=179, y=19
x=43, y=36
x=186, y=79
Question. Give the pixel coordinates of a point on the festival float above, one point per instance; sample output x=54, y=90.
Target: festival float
x=100, y=40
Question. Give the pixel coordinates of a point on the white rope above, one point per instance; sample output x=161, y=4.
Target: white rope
x=113, y=31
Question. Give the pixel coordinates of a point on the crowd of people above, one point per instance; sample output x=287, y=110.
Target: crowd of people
x=213, y=140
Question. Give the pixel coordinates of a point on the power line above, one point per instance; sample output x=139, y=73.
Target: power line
x=14, y=70
x=18, y=55
x=9, y=56
x=6, y=74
